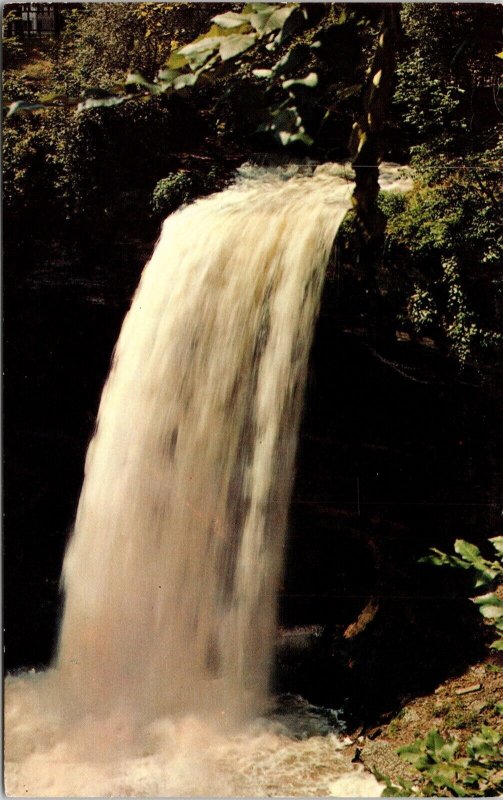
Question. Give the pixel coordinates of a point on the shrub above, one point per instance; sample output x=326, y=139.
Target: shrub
x=171, y=192
x=447, y=769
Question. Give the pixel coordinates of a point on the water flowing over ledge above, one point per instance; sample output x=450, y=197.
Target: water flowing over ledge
x=161, y=679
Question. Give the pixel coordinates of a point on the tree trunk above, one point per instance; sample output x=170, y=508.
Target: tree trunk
x=366, y=144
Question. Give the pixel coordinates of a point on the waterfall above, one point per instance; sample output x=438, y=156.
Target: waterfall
x=173, y=568
x=172, y=571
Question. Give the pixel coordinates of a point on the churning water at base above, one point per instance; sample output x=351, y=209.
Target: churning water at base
x=172, y=571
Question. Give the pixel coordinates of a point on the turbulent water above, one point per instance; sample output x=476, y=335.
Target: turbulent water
x=161, y=680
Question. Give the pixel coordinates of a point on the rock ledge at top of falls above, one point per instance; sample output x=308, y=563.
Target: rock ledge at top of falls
x=392, y=177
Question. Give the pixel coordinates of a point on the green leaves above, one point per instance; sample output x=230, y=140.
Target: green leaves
x=232, y=46
x=230, y=19
x=287, y=127
x=443, y=771
x=497, y=543
x=402, y=788
x=135, y=79
x=230, y=35
x=490, y=606
x=469, y=558
x=485, y=572
x=198, y=52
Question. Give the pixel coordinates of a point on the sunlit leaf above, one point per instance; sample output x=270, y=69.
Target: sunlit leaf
x=22, y=105
x=105, y=102
x=189, y=79
x=292, y=24
x=467, y=550
x=310, y=81
x=232, y=46
x=278, y=18
x=136, y=79
x=167, y=75
x=259, y=19
x=262, y=73
x=497, y=542
x=490, y=606
x=198, y=52
x=231, y=19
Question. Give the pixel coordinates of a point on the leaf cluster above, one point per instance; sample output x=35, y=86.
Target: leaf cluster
x=447, y=769
x=486, y=573
x=444, y=248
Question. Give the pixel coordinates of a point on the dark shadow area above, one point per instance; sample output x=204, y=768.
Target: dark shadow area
x=397, y=454
x=60, y=327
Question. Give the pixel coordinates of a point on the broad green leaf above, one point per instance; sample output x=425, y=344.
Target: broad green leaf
x=497, y=645
x=22, y=105
x=497, y=542
x=299, y=136
x=490, y=734
x=167, y=75
x=490, y=606
x=310, y=81
x=201, y=45
x=259, y=19
x=104, y=102
x=183, y=81
x=390, y=789
x=483, y=744
x=486, y=573
x=440, y=559
x=434, y=741
x=231, y=19
x=448, y=750
x=136, y=79
x=198, y=52
x=293, y=22
x=278, y=18
x=262, y=73
x=232, y=46
x=491, y=598
x=417, y=746
x=466, y=550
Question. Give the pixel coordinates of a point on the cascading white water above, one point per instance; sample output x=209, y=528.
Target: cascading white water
x=172, y=571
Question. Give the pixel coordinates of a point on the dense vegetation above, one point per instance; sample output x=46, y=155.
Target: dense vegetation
x=264, y=78
x=137, y=108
